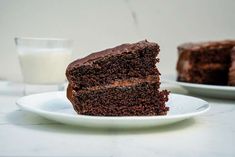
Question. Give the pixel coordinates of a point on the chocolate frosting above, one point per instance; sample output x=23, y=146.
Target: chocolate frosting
x=124, y=48
x=206, y=45
x=125, y=83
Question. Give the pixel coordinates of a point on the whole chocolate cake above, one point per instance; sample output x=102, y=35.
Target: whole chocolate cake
x=120, y=81
x=205, y=62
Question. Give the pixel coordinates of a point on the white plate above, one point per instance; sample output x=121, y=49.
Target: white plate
x=227, y=92
x=55, y=106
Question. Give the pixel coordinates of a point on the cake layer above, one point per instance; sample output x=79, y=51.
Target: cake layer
x=124, y=83
x=141, y=99
x=119, y=84
x=206, y=52
x=122, y=62
x=205, y=76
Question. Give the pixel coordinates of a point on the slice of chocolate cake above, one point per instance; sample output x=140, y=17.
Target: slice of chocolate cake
x=121, y=81
x=205, y=63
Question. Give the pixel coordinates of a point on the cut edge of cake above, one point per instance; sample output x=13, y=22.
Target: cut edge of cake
x=88, y=99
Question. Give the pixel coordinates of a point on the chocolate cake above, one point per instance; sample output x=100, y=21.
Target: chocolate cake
x=120, y=81
x=205, y=62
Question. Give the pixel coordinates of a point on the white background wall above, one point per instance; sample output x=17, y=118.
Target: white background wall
x=99, y=24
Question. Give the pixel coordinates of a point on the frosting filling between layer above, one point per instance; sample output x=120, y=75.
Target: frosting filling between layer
x=125, y=83
x=185, y=65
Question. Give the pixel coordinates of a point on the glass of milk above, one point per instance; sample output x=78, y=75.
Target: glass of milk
x=43, y=63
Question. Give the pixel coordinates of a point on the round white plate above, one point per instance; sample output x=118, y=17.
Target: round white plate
x=227, y=92
x=56, y=106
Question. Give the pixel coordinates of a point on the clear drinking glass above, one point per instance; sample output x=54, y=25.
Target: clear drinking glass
x=43, y=63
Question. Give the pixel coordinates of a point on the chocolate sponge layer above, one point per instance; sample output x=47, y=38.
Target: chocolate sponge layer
x=122, y=62
x=142, y=99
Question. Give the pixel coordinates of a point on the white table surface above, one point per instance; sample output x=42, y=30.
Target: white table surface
x=26, y=134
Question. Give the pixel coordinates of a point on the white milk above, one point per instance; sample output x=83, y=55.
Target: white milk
x=45, y=66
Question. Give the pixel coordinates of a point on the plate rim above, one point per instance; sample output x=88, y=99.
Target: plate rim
x=206, y=105
x=169, y=79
